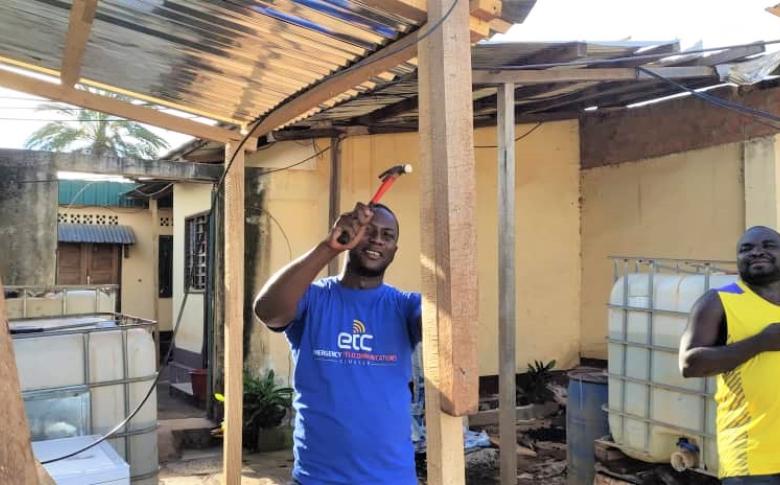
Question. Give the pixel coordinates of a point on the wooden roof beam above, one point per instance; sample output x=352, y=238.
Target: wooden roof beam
x=408, y=9
x=82, y=13
x=95, y=102
x=579, y=75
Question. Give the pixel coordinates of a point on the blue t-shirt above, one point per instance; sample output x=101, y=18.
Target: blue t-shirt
x=352, y=351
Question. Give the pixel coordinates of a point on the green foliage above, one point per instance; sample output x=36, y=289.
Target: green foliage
x=265, y=405
x=96, y=133
x=533, y=388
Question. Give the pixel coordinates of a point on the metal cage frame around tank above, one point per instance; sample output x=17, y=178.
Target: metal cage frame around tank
x=623, y=266
x=27, y=292
x=124, y=323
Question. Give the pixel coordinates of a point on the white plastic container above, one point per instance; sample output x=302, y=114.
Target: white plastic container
x=651, y=406
x=117, y=370
x=98, y=465
x=31, y=301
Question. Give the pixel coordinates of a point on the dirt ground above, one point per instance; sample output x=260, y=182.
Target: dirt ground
x=204, y=467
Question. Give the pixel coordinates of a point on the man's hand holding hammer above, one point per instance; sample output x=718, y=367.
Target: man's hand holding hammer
x=277, y=302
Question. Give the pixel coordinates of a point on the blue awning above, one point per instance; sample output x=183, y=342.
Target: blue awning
x=96, y=234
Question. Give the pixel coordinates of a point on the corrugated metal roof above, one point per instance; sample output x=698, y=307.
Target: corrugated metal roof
x=93, y=233
x=234, y=59
x=96, y=193
x=550, y=98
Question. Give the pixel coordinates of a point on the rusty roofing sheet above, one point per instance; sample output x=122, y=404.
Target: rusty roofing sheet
x=236, y=59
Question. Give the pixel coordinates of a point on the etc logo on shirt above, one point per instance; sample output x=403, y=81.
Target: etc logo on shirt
x=357, y=340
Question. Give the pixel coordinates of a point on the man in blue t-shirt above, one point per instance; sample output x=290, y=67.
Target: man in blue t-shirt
x=352, y=338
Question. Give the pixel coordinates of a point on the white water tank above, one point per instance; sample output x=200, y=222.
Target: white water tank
x=31, y=301
x=110, y=360
x=651, y=406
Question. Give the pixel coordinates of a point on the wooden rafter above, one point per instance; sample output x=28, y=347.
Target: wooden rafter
x=409, y=9
x=82, y=13
x=124, y=92
x=578, y=75
x=480, y=26
x=85, y=99
x=373, y=65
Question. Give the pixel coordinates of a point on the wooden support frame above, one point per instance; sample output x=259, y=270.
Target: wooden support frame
x=448, y=246
x=234, y=314
x=82, y=13
x=507, y=366
x=85, y=99
x=540, y=76
x=17, y=463
x=334, y=202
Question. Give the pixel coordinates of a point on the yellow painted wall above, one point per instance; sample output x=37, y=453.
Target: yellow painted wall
x=137, y=286
x=188, y=199
x=686, y=205
x=547, y=216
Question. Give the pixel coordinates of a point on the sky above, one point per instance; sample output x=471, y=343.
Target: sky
x=695, y=23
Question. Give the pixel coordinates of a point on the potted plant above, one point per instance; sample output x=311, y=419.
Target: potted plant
x=534, y=393
x=266, y=404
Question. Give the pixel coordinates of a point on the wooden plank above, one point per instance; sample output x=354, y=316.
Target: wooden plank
x=539, y=76
x=448, y=257
x=85, y=99
x=82, y=13
x=234, y=315
x=448, y=158
x=389, y=111
x=408, y=9
x=334, y=203
x=506, y=282
x=485, y=9
x=17, y=463
x=730, y=55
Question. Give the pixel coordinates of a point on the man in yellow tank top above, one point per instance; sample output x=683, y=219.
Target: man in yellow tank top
x=733, y=333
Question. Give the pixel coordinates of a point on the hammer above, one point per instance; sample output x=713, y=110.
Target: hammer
x=387, y=177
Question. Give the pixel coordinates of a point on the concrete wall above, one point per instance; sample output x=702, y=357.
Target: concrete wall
x=189, y=199
x=686, y=205
x=138, y=288
x=28, y=219
x=547, y=217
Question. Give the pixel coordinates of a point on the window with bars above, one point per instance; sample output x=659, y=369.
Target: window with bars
x=196, y=252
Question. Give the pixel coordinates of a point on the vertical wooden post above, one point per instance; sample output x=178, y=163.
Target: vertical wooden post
x=507, y=420
x=334, y=207
x=156, y=275
x=17, y=463
x=448, y=259
x=234, y=315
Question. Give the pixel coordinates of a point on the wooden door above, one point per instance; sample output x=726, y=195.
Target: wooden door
x=103, y=264
x=88, y=264
x=69, y=268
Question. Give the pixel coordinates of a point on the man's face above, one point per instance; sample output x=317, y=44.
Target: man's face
x=758, y=256
x=376, y=251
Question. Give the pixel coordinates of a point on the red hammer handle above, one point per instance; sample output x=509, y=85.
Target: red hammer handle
x=386, y=183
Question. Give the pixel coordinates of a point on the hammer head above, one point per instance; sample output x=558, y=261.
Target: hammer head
x=396, y=171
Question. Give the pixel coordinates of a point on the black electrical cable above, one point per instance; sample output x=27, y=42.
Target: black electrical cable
x=527, y=133
x=758, y=115
x=215, y=192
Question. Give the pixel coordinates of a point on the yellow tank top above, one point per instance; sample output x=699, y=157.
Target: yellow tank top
x=748, y=398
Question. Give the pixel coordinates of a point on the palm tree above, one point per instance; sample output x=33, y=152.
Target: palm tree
x=95, y=133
